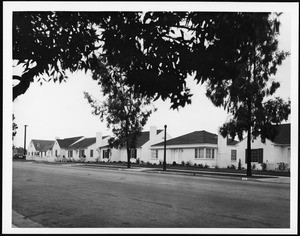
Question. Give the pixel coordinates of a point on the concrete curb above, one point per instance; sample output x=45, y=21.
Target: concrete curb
x=20, y=221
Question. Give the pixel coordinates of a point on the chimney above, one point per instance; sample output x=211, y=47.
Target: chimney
x=153, y=134
x=98, y=139
x=222, y=142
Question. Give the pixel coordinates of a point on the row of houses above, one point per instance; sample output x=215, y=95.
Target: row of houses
x=195, y=148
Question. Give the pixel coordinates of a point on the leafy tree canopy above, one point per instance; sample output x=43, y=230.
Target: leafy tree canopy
x=156, y=50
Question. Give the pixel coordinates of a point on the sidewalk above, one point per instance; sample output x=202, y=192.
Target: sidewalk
x=254, y=177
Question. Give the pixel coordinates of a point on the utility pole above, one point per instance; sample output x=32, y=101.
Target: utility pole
x=165, y=144
x=25, y=126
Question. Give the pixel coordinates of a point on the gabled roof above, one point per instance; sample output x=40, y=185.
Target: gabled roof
x=144, y=137
x=197, y=137
x=84, y=143
x=64, y=143
x=42, y=145
x=284, y=134
x=231, y=142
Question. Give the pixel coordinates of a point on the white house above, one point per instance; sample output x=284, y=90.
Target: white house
x=272, y=153
x=40, y=149
x=87, y=149
x=60, y=146
x=227, y=152
x=202, y=147
x=142, y=150
x=199, y=147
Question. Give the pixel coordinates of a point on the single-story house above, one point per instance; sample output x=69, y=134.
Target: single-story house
x=275, y=154
x=87, y=149
x=202, y=147
x=142, y=150
x=227, y=152
x=60, y=146
x=39, y=149
x=199, y=147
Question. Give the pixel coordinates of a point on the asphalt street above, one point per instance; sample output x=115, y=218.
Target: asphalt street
x=72, y=196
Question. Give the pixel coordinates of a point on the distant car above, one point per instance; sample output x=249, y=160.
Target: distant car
x=18, y=156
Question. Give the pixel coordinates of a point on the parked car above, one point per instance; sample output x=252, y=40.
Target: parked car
x=18, y=156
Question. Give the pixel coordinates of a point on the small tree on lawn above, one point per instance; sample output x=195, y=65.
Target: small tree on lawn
x=245, y=93
x=125, y=111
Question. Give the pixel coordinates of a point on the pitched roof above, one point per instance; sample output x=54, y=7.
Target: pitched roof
x=231, y=142
x=144, y=137
x=284, y=134
x=42, y=145
x=64, y=143
x=197, y=137
x=84, y=143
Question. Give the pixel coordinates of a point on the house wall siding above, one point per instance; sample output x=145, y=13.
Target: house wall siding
x=186, y=153
x=272, y=154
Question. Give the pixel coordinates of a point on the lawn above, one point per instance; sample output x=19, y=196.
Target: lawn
x=171, y=167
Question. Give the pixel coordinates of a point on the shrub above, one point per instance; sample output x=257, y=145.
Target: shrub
x=142, y=162
x=182, y=163
x=283, y=166
x=200, y=165
x=231, y=167
x=137, y=161
x=240, y=164
x=253, y=166
x=195, y=164
x=187, y=163
x=160, y=162
x=148, y=163
x=206, y=166
x=217, y=167
x=174, y=163
x=263, y=166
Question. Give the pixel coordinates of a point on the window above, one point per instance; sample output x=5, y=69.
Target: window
x=256, y=155
x=56, y=153
x=154, y=154
x=233, y=155
x=91, y=153
x=105, y=153
x=210, y=153
x=199, y=153
x=133, y=153
x=70, y=153
x=81, y=153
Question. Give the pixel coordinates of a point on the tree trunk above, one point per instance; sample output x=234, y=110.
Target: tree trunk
x=128, y=157
x=249, y=152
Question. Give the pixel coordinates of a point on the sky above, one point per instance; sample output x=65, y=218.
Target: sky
x=54, y=110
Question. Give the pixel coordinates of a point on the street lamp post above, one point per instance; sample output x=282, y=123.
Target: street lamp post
x=25, y=126
x=164, y=164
